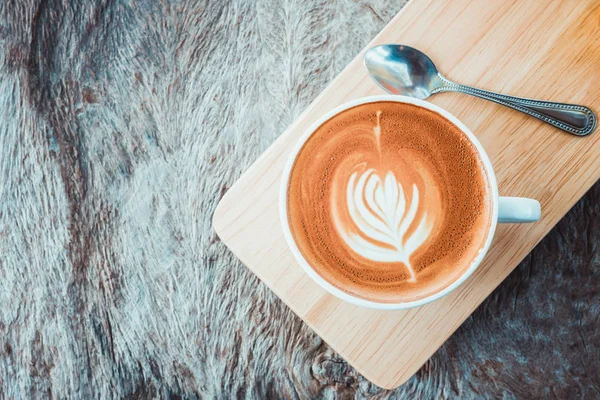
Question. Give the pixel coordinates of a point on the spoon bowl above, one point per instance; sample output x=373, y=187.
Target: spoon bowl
x=403, y=70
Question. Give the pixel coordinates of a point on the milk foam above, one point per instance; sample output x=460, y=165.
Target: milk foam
x=381, y=215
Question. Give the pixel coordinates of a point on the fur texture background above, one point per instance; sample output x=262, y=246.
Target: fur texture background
x=122, y=124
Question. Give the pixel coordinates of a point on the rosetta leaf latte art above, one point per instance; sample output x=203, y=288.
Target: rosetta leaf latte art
x=382, y=215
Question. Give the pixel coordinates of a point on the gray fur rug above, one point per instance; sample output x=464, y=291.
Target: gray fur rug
x=121, y=126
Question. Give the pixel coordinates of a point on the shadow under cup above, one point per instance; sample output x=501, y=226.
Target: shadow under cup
x=388, y=202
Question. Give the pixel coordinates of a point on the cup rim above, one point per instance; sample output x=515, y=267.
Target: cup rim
x=338, y=292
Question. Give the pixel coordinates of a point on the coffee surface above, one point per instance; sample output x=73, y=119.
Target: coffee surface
x=389, y=202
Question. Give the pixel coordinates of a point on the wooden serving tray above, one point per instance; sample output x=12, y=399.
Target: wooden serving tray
x=543, y=49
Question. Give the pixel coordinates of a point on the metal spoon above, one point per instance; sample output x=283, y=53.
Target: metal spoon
x=404, y=70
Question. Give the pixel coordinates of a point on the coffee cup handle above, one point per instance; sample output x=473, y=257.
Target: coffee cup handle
x=518, y=209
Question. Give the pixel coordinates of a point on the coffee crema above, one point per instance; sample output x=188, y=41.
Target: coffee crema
x=389, y=202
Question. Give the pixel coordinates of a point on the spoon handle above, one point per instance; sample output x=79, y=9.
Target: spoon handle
x=572, y=118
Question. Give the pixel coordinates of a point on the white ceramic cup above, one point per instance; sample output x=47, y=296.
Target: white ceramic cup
x=504, y=209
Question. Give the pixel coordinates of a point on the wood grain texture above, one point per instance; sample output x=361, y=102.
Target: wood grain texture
x=521, y=48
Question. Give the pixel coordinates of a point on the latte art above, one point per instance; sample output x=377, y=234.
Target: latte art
x=381, y=214
x=388, y=202
x=384, y=222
